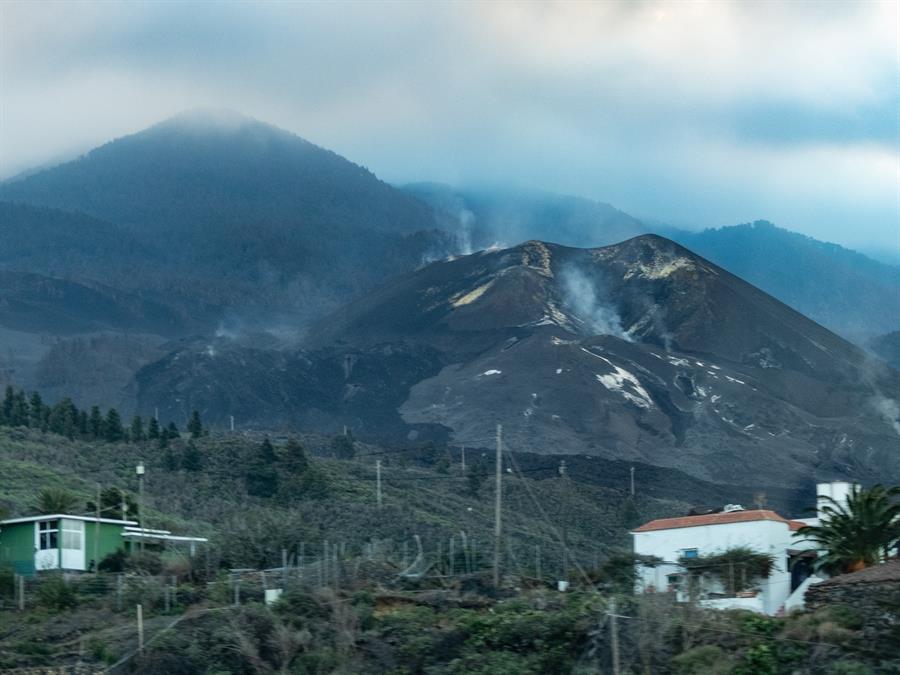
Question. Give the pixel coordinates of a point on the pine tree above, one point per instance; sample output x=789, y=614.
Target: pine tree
x=299, y=479
x=343, y=447
x=6, y=410
x=195, y=426
x=153, y=429
x=112, y=426
x=20, y=410
x=170, y=462
x=192, y=460
x=35, y=411
x=262, y=475
x=295, y=459
x=172, y=431
x=63, y=419
x=95, y=423
x=164, y=440
x=136, y=433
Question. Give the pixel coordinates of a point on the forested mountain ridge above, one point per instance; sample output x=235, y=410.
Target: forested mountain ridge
x=846, y=291
x=240, y=214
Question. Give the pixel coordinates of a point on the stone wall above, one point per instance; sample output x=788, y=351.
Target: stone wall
x=877, y=603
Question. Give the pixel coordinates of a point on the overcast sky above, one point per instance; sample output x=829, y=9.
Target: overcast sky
x=694, y=113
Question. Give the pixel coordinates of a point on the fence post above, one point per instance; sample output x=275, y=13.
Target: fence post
x=21, y=593
x=452, y=561
x=140, y=627
x=119, y=593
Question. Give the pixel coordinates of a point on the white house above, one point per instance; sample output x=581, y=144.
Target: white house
x=762, y=530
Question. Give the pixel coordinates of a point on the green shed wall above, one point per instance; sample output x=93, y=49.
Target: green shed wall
x=17, y=547
x=110, y=540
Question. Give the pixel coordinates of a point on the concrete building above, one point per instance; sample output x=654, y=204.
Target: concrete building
x=75, y=543
x=667, y=544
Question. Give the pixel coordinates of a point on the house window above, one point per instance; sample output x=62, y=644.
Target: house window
x=72, y=533
x=47, y=535
x=689, y=553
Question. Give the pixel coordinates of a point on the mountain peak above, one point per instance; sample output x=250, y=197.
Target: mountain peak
x=214, y=122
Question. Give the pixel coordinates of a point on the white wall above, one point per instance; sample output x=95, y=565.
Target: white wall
x=838, y=490
x=763, y=536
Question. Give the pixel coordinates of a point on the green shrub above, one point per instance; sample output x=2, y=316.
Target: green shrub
x=54, y=593
x=849, y=668
x=6, y=582
x=845, y=616
x=703, y=660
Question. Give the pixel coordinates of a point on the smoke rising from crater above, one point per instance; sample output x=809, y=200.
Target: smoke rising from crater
x=583, y=296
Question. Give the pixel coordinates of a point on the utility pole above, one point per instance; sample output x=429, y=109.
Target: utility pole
x=378, y=480
x=139, y=470
x=632, y=481
x=565, y=520
x=97, y=534
x=498, y=501
x=614, y=636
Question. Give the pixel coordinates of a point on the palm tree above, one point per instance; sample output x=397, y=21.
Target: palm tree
x=858, y=533
x=56, y=500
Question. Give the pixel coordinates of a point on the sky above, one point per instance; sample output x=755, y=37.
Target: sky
x=697, y=114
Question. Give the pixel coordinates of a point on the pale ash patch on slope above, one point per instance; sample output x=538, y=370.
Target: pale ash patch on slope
x=461, y=299
x=659, y=268
x=619, y=379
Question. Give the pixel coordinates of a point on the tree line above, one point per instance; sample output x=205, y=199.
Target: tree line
x=66, y=419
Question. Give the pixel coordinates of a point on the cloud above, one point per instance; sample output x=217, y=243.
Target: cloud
x=706, y=113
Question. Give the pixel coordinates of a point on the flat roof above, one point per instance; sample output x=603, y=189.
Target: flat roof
x=723, y=518
x=57, y=516
x=167, y=537
x=131, y=528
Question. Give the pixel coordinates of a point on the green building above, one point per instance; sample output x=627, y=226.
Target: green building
x=75, y=543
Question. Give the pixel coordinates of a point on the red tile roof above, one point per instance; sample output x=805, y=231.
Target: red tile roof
x=714, y=519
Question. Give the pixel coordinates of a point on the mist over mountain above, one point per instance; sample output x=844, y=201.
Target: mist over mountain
x=503, y=217
x=241, y=213
x=206, y=223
